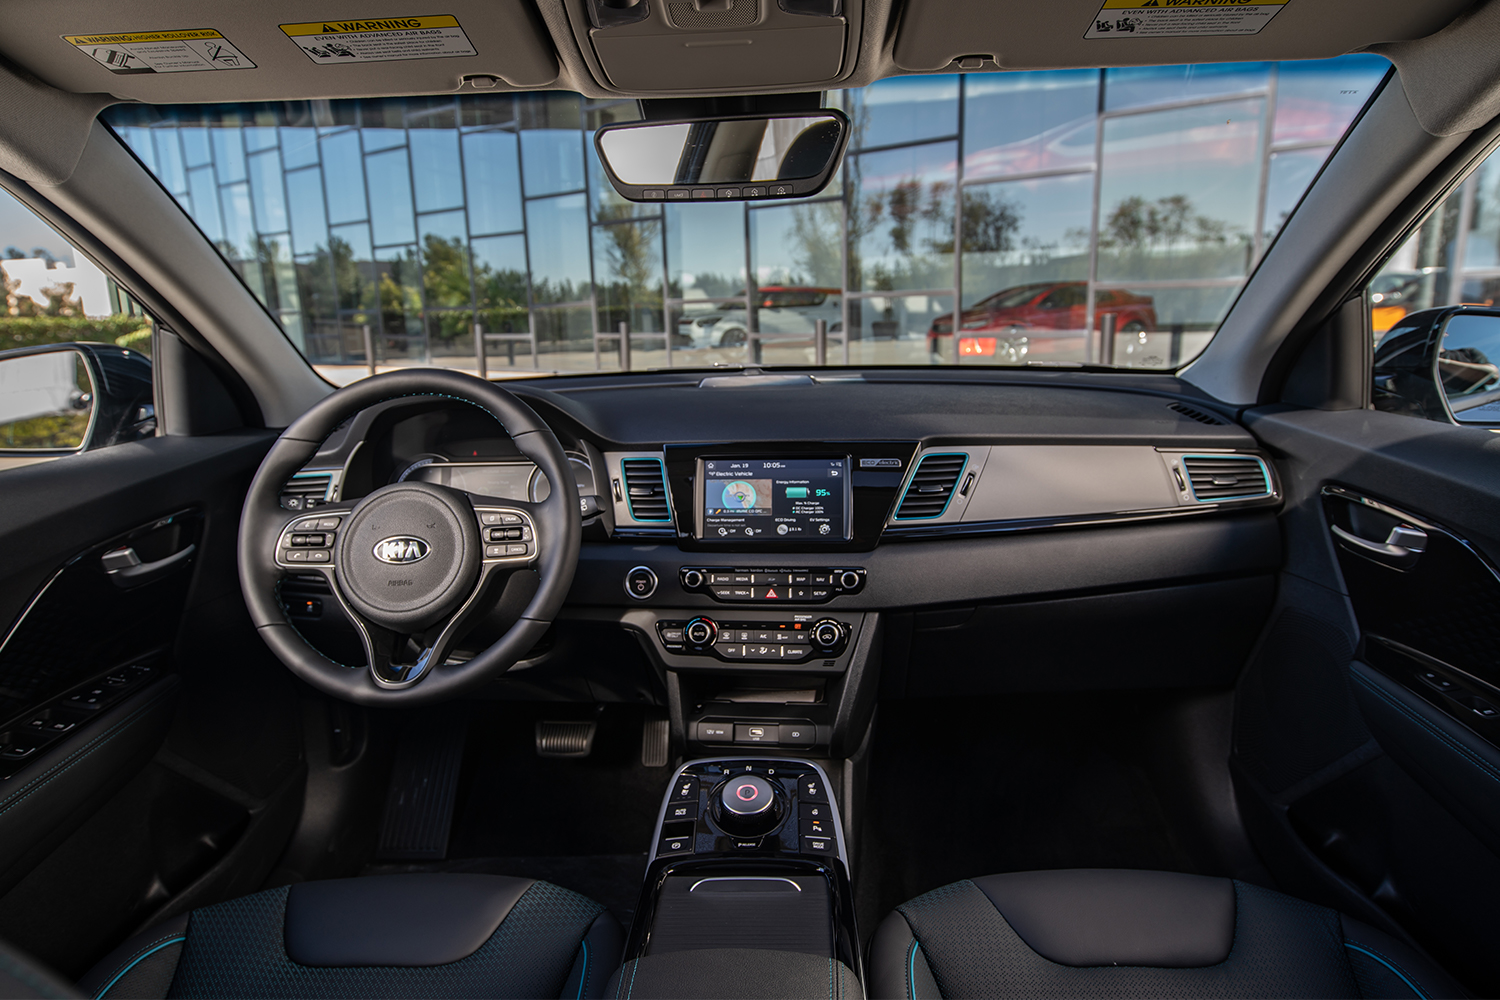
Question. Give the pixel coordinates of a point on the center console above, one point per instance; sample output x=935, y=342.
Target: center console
x=748, y=871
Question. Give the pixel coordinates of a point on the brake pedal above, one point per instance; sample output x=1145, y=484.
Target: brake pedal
x=565, y=739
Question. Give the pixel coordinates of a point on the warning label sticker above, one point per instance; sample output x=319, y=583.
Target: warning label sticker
x=188, y=51
x=381, y=39
x=1177, y=18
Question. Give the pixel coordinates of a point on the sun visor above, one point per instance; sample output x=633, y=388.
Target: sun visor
x=1055, y=34
x=178, y=51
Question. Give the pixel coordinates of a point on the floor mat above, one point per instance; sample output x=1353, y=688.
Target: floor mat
x=583, y=823
x=959, y=789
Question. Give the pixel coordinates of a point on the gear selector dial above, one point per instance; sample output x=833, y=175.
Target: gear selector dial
x=747, y=805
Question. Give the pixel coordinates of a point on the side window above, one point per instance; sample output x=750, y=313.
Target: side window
x=75, y=348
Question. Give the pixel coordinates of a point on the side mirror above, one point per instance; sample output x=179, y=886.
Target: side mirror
x=742, y=158
x=1442, y=364
x=65, y=398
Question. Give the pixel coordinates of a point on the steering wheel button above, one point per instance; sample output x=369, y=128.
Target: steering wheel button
x=494, y=551
x=295, y=555
x=489, y=517
x=521, y=549
x=319, y=555
x=328, y=523
x=511, y=519
x=308, y=524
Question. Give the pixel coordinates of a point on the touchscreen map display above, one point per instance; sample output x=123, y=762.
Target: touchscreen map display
x=775, y=499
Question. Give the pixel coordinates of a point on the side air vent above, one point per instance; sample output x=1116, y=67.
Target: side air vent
x=646, y=489
x=1226, y=477
x=931, y=486
x=304, y=492
x=1196, y=414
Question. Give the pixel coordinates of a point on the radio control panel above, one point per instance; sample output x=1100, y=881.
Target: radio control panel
x=802, y=585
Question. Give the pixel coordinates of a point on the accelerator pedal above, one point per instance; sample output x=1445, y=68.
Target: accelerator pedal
x=655, y=738
x=424, y=785
x=565, y=739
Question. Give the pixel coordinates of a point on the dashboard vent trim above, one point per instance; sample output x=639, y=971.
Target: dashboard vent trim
x=303, y=487
x=646, y=489
x=932, y=485
x=1193, y=413
x=1217, y=478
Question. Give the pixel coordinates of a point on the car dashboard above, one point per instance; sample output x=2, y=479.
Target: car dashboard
x=761, y=550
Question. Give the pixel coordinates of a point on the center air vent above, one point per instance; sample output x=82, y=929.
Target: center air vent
x=931, y=486
x=1226, y=477
x=304, y=492
x=646, y=489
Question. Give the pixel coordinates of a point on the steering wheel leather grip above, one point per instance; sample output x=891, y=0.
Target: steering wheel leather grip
x=264, y=525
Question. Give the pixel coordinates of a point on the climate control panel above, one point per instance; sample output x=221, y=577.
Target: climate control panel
x=763, y=642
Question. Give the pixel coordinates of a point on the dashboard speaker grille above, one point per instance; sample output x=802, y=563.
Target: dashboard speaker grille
x=931, y=486
x=1226, y=477
x=646, y=489
x=1192, y=413
x=305, y=491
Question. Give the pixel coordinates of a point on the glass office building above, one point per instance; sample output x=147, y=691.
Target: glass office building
x=1055, y=207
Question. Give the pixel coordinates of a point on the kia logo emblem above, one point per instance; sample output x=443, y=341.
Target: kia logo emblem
x=401, y=549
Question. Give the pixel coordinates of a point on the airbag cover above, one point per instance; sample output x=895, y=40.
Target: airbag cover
x=396, y=920
x=409, y=554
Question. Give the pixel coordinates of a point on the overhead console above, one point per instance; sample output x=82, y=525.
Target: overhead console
x=717, y=46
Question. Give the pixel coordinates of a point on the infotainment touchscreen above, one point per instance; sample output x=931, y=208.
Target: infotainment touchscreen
x=774, y=499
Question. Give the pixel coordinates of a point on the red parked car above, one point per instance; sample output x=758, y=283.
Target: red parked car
x=1003, y=324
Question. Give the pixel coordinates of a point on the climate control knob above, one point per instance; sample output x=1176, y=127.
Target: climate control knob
x=701, y=632
x=827, y=634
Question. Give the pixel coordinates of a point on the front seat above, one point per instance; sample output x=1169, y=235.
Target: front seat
x=427, y=935
x=1104, y=933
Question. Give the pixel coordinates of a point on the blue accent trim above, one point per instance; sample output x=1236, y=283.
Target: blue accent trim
x=911, y=969
x=140, y=958
x=1365, y=951
x=935, y=454
x=1264, y=471
x=583, y=976
x=665, y=492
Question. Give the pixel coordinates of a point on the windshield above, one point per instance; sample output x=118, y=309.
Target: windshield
x=1100, y=217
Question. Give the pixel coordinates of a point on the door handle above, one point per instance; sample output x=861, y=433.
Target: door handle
x=1401, y=549
x=125, y=568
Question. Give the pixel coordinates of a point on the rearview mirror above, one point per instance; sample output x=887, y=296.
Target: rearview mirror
x=743, y=158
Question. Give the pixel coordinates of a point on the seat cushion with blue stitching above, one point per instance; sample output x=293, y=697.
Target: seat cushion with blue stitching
x=1086, y=933
x=427, y=935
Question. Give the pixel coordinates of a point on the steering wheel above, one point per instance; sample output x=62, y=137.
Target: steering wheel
x=412, y=563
